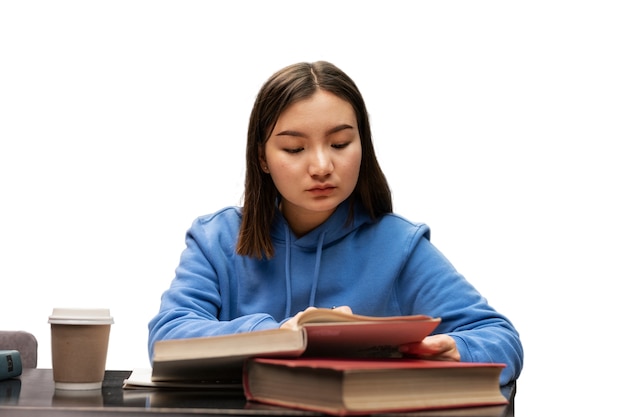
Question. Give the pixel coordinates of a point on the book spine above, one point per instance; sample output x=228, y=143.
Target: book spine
x=10, y=364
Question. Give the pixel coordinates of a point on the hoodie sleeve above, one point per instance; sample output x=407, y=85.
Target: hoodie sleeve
x=194, y=304
x=433, y=286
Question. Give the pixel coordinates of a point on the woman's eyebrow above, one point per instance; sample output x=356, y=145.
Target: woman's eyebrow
x=295, y=133
x=339, y=128
x=290, y=133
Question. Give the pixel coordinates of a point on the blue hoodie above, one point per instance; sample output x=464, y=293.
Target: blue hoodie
x=382, y=267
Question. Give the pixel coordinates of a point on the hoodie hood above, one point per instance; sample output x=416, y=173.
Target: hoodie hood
x=333, y=229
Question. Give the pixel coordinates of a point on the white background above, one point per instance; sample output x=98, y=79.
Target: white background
x=500, y=124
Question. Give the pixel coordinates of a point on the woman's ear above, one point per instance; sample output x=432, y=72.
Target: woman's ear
x=263, y=161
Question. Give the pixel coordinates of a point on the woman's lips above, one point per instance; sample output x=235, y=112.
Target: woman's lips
x=322, y=190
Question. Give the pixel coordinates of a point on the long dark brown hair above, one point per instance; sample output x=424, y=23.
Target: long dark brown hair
x=287, y=86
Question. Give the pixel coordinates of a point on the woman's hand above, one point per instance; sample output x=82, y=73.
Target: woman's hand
x=439, y=347
x=292, y=323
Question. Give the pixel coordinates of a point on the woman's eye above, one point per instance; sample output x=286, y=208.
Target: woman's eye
x=293, y=150
x=340, y=145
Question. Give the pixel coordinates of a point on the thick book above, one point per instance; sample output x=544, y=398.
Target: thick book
x=321, y=332
x=363, y=386
x=10, y=364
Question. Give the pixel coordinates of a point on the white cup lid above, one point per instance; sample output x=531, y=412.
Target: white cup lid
x=80, y=316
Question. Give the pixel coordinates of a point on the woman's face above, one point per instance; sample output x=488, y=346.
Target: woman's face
x=313, y=156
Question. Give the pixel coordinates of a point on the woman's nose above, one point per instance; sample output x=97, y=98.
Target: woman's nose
x=321, y=163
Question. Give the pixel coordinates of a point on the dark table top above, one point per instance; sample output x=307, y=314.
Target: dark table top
x=33, y=394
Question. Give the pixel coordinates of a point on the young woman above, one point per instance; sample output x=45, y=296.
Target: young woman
x=317, y=230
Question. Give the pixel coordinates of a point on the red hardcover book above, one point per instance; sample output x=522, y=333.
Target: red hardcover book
x=363, y=386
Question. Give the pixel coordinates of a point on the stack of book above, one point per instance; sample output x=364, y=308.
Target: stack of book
x=334, y=362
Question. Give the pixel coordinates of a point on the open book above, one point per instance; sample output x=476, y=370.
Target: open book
x=321, y=332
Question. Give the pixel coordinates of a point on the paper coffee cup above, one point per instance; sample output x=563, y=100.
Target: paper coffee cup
x=79, y=341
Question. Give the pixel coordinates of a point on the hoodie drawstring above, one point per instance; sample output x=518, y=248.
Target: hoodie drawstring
x=288, y=271
x=316, y=271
